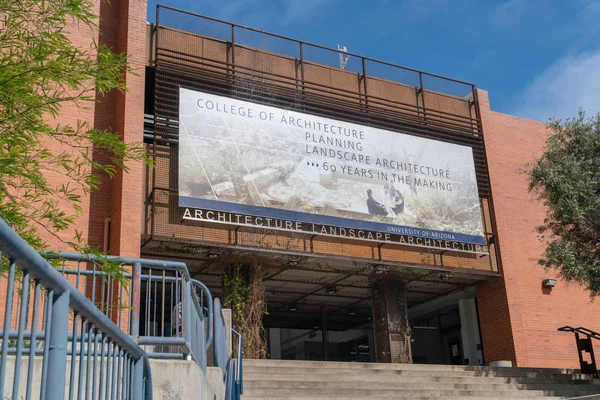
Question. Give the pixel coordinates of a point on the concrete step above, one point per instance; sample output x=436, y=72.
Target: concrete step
x=246, y=397
x=378, y=378
x=427, y=367
x=393, y=393
x=342, y=369
x=307, y=380
x=418, y=386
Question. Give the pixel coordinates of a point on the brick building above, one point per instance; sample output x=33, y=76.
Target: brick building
x=324, y=291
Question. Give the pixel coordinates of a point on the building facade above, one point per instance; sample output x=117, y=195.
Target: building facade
x=445, y=300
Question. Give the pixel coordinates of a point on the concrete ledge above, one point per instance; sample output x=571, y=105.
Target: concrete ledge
x=183, y=380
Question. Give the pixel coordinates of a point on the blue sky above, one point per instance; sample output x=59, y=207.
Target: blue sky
x=537, y=58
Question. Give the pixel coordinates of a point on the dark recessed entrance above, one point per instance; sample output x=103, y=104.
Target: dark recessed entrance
x=321, y=308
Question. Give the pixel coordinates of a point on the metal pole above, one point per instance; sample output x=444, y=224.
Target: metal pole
x=187, y=302
x=7, y=322
x=364, y=76
x=138, y=379
x=421, y=89
x=302, y=68
x=136, y=288
x=57, y=352
x=233, y=51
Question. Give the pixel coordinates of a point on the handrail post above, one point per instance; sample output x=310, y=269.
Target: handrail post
x=57, y=353
x=138, y=379
x=136, y=288
x=187, y=312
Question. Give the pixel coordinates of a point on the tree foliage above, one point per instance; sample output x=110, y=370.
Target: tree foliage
x=567, y=179
x=43, y=75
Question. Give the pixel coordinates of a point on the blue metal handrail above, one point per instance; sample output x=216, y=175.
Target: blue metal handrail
x=193, y=314
x=94, y=337
x=239, y=373
x=198, y=317
x=220, y=350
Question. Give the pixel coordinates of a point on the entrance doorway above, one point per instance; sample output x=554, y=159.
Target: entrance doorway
x=446, y=330
x=321, y=309
x=352, y=345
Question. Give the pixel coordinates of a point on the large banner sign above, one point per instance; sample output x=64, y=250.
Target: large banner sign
x=250, y=159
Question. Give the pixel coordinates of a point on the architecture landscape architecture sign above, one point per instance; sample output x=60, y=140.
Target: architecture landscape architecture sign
x=251, y=164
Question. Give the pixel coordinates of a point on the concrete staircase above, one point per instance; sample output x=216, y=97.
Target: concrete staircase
x=308, y=380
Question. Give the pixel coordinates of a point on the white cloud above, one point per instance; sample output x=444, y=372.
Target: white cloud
x=568, y=84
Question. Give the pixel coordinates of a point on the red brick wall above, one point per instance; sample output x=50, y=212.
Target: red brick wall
x=518, y=318
x=126, y=211
x=122, y=25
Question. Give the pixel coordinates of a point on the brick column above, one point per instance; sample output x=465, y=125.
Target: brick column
x=127, y=187
x=126, y=212
x=390, y=320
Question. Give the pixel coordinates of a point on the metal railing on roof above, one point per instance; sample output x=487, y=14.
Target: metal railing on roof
x=65, y=343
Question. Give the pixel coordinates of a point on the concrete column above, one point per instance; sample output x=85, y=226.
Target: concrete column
x=391, y=329
x=275, y=343
x=469, y=330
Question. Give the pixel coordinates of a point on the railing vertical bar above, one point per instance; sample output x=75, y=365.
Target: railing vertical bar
x=102, y=293
x=302, y=69
x=113, y=377
x=47, y=328
x=128, y=380
x=73, y=356
x=33, y=341
x=18, y=306
x=109, y=360
x=81, y=355
x=188, y=311
x=136, y=289
x=162, y=319
x=109, y=298
x=148, y=295
x=78, y=274
x=172, y=310
x=88, y=369
x=95, y=365
x=103, y=347
x=119, y=373
x=155, y=305
x=233, y=51
x=137, y=389
x=94, y=282
x=7, y=321
x=57, y=347
x=21, y=332
x=177, y=304
x=119, y=306
x=124, y=385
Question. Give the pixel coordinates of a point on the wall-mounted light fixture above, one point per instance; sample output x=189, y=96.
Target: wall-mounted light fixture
x=351, y=310
x=332, y=290
x=445, y=276
x=293, y=307
x=549, y=283
x=213, y=254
